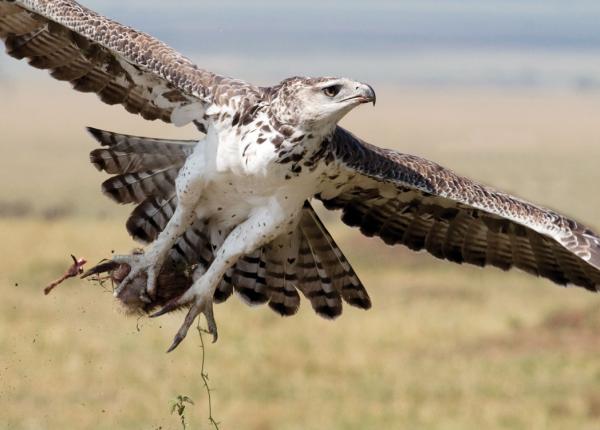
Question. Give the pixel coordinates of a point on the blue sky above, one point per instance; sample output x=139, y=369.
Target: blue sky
x=423, y=43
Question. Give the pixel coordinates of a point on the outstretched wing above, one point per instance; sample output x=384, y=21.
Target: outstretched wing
x=411, y=201
x=121, y=65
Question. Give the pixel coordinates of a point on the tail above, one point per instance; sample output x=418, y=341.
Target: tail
x=306, y=260
x=145, y=170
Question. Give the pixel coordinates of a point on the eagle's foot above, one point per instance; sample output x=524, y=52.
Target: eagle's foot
x=138, y=263
x=200, y=303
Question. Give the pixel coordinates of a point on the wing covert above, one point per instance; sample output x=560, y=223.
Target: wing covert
x=119, y=64
x=408, y=200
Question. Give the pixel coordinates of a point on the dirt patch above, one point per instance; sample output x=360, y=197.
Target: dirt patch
x=15, y=209
x=25, y=209
x=564, y=330
x=437, y=292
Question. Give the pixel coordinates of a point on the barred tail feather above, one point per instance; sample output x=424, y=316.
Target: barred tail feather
x=118, y=162
x=246, y=280
x=193, y=247
x=280, y=271
x=150, y=217
x=144, y=166
x=309, y=281
x=343, y=276
x=122, y=153
x=136, y=187
x=225, y=288
x=325, y=300
x=145, y=145
x=331, y=269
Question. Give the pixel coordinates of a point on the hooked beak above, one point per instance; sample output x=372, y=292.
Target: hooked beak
x=364, y=94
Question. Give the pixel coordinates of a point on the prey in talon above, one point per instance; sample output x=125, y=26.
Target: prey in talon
x=172, y=282
x=230, y=210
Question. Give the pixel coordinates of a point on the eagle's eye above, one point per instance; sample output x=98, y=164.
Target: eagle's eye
x=332, y=90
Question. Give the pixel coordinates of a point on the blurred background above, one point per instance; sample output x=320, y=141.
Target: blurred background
x=506, y=92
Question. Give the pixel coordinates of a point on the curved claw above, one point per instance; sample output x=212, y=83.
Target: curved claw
x=212, y=324
x=200, y=306
x=105, y=266
x=169, y=307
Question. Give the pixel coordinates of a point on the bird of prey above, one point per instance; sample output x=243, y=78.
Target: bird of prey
x=235, y=205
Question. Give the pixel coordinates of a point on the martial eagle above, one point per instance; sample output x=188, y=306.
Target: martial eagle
x=234, y=206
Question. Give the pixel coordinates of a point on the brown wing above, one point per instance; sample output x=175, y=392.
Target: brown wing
x=121, y=65
x=411, y=201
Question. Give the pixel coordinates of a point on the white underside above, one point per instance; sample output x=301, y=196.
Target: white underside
x=236, y=183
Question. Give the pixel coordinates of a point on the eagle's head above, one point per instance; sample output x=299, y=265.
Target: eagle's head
x=317, y=102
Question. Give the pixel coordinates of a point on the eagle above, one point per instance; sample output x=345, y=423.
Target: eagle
x=234, y=207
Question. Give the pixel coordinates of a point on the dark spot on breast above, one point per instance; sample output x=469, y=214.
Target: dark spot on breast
x=277, y=141
x=287, y=131
x=247, y=119
x=201, y=127
x=236, y=119
x=260, y=140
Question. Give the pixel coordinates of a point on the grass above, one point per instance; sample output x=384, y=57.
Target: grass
x=444, y=347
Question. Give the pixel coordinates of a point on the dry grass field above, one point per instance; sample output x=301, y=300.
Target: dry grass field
x=444, y=347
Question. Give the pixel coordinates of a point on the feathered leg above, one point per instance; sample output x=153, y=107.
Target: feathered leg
x=261, y=227
x=189, y=187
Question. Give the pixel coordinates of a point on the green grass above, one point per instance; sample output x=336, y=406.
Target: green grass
x=444, y=347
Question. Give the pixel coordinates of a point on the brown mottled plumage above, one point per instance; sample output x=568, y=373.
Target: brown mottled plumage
x=407, y=200
x=120, y=64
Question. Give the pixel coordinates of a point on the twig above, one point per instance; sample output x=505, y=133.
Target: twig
x=204, y=376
